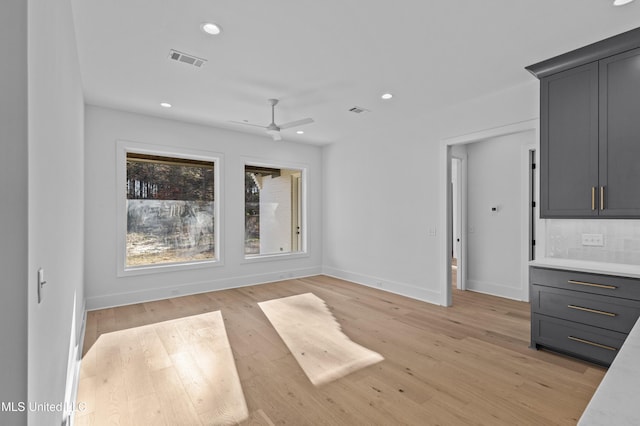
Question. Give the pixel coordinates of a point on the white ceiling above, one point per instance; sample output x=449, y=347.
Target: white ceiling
x=321, y=58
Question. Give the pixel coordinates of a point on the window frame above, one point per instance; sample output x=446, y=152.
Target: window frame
x=304, y=243
x=125, y=147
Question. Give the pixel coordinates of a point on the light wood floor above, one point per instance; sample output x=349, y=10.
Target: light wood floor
x=468, y=364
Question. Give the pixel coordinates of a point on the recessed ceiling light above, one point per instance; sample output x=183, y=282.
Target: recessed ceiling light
x=300, y=132
x=211, y=28
x=165, y=104
x=387, y=96
x=621, y=2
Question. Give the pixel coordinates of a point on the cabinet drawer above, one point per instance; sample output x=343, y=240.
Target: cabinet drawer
x=611, y=313
x=590, y=343
x=627, y=288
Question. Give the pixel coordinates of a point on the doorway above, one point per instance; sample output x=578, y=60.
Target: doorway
x=458, y=176
x=456, y=243
x=296, y=212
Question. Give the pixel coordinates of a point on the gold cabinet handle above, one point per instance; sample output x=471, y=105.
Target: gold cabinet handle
x=608, y=287
x=602, y=198
x=593, y=198
x=593, y=311
x=589, y=342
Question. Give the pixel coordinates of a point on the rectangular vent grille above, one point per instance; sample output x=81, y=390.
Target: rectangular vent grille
x=358, y=110
x=186, y=58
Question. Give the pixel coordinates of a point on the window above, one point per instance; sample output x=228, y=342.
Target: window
x=273, y=210
x=170, y=210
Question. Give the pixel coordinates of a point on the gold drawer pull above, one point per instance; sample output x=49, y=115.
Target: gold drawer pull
x=602, y=198
x=593, y=198
x=608, y=287
x=593, y=311
x=589, y=342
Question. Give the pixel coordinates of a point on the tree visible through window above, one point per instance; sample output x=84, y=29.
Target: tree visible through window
x=273, y=212
x=170, y=210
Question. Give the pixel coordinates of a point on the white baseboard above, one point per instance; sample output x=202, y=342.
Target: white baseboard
x=494, y=289
x=78, y=364
x=128, y=298
x=73, y=369
x=395, y=287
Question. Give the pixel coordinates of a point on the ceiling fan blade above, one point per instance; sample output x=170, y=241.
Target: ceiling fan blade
x=296, y=123
x=244, y=123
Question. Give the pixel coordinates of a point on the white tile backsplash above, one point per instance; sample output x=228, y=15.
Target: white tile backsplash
x=621, y=240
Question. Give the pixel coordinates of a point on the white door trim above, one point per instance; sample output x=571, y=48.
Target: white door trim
x=525, y=191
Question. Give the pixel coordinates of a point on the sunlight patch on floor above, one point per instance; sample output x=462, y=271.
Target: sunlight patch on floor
x=136, y=375
x=314, y=337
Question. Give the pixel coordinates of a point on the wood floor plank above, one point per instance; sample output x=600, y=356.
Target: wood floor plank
x=156, y=356
x=111, y=406
x=146, y=410
x=175, y=405
x=135, y=373
x=86, y=394
x=258, y=418
x=152, y=363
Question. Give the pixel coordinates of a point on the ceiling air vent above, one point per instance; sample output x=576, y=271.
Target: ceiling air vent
x=358, y=110
x=186, y=58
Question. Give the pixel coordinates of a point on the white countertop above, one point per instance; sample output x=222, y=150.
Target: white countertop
x=617, y=399
x=620, y=269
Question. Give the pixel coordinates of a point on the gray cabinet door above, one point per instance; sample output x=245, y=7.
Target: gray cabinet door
x=569, y=143
x=620, y=134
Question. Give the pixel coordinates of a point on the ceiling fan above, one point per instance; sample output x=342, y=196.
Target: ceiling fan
x=273, y=129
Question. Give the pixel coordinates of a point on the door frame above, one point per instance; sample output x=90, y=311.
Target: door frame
x=444, y=198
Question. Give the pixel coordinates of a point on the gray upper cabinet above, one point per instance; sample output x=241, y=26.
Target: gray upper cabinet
x=569, y=143
x=590, y=130
x=619, y=135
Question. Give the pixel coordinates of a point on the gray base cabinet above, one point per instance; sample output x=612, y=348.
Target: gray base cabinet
x=580, y=314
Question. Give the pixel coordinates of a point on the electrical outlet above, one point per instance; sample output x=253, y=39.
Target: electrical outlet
x=595, y=240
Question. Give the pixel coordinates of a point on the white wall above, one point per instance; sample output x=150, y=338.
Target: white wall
x=494, y=179
x=56, y=201
x=384, y=206
x=506, y=107
x=104, y=127
x=380, y=203
x=13, y=208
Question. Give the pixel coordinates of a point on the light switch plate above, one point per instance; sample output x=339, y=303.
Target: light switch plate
x=594, y=240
